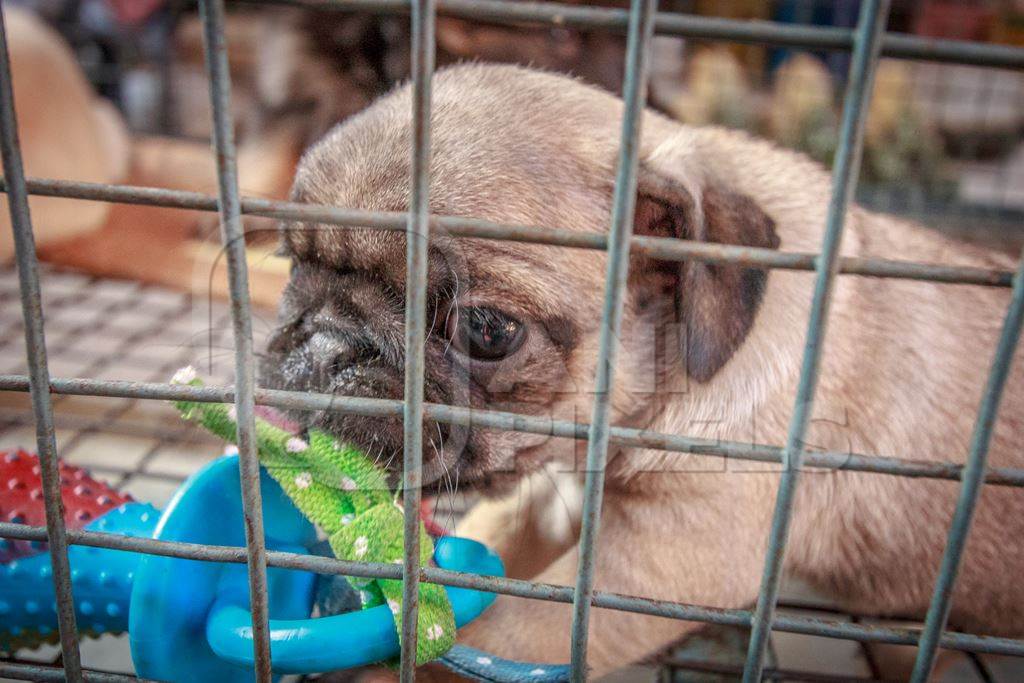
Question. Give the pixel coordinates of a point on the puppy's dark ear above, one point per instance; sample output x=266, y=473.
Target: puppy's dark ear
x=715, y=304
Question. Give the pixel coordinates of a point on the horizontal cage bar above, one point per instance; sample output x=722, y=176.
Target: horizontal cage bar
x=693, y=26
x=45, y=672
x=828, y=628
x=490, y=419
x=662, y=248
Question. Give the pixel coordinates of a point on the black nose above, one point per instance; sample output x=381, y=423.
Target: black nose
x=332, y=352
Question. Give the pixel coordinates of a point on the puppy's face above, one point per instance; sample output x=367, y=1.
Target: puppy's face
x=510, y=326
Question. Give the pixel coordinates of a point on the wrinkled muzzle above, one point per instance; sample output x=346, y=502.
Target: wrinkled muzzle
x=343, y=335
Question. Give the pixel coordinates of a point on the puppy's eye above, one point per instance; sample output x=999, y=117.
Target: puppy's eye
x=484, y=333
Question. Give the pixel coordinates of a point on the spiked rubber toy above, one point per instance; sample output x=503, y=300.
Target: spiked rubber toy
x=100, y=580
x=189, y=620
x=21, y=499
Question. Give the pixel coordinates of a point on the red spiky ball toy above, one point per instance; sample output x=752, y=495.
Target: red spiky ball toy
x=21, y=499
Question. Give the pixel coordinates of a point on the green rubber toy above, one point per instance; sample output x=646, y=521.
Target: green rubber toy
x=338, y=488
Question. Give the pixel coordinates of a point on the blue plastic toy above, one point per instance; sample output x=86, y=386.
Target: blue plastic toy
x=189, y=620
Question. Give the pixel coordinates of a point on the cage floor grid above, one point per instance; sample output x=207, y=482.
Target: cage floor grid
x=106, y=329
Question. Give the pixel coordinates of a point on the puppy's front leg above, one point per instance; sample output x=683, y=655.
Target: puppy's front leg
x=703, y=551
x=532, y=527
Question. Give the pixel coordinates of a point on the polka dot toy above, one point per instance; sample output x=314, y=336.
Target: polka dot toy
x=344, y=493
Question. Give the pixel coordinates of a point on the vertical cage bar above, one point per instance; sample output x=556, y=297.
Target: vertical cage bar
x=867, y=45
x=241, y=316
x=971, y=482
x=417, y=243
x=641, y=24
x=39, y=373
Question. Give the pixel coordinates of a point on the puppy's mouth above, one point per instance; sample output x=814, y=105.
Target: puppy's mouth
x=455, y=457
x=451, y=453
x=447, y=469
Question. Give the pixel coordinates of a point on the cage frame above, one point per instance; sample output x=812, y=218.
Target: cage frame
x=867, y=42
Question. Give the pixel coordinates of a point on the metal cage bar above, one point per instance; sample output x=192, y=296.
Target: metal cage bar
x=42, y=672
x=488, y=419
x=970, y=487
x=214, y=41
x=866, y=44
x=417, y=237
x=663, y=248
x=39, y=373
x=827, y=628
x=870, y=28
x=698, y=27
x=641, y=23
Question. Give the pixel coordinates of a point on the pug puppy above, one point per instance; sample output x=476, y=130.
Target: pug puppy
x=707, y=350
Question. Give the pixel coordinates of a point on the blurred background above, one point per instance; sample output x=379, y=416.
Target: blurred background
x=115, y=91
